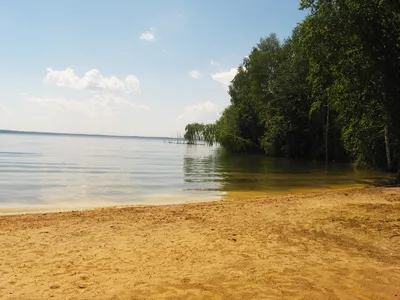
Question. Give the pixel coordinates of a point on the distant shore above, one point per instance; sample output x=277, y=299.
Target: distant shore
x=6, y=131
x=326, y=245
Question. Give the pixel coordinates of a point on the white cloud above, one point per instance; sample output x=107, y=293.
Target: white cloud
x=92, y=80
x=214, y=63
x=148, y=35
x=202, y=112
x=61, y=78
x=98, y=104
x=195, y=74
x=225, y=77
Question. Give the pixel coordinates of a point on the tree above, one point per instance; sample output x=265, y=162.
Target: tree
x=196, y=132
x=193, y=132
x=355, y=43
x=331, y=91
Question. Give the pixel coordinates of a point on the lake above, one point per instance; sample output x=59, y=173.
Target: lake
x=56, y=172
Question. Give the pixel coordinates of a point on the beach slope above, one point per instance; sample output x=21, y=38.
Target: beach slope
x=330, y=245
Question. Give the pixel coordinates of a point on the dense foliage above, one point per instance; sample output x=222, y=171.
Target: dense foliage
x=329, y=92
x=196, y=132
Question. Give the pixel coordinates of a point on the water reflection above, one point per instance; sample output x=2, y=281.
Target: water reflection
x=57, y=171
x=263, y=175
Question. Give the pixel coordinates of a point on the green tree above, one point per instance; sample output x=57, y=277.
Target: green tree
x=331, y=91
x=193, y=133
x=355, y=44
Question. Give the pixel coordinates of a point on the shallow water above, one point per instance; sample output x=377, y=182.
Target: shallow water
x=38, y=172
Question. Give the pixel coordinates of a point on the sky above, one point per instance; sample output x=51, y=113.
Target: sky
x=127, y=67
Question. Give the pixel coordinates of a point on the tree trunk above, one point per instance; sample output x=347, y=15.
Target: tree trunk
x=387, y=144
x=327, y=135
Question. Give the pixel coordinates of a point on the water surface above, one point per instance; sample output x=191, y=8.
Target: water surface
x=38, y=172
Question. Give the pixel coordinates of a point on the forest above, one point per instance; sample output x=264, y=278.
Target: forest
x=329, y=92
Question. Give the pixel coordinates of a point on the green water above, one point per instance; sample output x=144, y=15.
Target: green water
x=263, y=175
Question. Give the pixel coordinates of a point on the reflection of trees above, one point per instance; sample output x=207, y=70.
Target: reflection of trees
x=244, y=172
x=222, y=171
x=201, y=169
x=247, y=172
x=258, y=173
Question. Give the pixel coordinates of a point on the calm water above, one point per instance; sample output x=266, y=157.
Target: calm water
x=39, y=171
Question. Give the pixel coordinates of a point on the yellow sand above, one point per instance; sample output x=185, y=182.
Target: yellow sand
x=330, y=245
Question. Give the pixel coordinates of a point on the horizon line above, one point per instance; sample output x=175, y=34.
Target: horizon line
x=11, y=131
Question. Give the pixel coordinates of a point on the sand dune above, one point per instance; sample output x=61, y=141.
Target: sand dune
x=333, y=245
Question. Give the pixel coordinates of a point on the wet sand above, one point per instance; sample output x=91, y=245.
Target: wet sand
x=330, y=245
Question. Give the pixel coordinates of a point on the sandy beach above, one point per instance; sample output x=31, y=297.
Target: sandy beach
x=330, y=245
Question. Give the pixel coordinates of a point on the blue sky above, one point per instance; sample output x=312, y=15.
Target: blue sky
x=124, y=66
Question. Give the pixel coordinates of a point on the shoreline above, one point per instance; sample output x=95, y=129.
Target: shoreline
x=161, y=200
x=322, y=245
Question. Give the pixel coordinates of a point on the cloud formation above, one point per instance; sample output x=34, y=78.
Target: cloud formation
x=97, y=104
x=92, y=80
x=224, y=77
x=201, y=112
x=195, y=74
x=148, y=35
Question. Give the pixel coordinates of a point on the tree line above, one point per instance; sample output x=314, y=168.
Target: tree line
x=331, y=91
